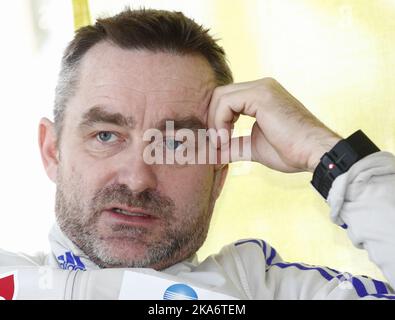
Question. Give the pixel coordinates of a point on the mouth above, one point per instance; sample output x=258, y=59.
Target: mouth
x=129, y=215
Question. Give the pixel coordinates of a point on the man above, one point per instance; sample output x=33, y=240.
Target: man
x=127, y=228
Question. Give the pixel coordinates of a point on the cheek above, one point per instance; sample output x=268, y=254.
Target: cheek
x=79, y=162
x=83, y=177
x=189, y=187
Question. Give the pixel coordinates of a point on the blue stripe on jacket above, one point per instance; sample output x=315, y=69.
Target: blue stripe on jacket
x=358, y=285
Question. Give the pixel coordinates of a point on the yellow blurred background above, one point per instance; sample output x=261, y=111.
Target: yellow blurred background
x=337, y=57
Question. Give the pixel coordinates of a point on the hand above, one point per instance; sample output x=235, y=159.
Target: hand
x=285, y=136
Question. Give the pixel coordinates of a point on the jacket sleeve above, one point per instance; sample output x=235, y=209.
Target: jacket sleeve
x=362, y=201
x=24, y=277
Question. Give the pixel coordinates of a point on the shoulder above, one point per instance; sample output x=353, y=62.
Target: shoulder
x=246, y=253
x=256, y=249
x=250, y=252
x=245, y=263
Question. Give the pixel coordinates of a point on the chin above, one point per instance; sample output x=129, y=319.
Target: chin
x=120, y=253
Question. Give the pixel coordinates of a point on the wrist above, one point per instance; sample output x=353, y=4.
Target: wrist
x=340, y=159
x=324, y=145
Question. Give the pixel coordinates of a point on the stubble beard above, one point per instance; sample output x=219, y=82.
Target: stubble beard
x=79, y=222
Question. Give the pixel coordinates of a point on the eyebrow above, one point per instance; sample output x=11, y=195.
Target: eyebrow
x=97, y=114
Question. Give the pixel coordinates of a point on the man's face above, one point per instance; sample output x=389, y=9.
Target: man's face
x=119, y=210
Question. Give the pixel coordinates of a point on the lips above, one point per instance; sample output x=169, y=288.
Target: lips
x=125, y=214
x=130, y=213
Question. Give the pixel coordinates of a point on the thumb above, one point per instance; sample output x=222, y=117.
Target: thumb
x=238, y=149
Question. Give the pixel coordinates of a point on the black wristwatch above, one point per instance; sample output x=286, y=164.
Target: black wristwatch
x=337, y=161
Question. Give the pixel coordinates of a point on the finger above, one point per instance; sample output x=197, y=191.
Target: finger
x=242, y=149
x=217, y=95
x=239, y=149
x=219, y=91
x=223, y=115
x=228, y=109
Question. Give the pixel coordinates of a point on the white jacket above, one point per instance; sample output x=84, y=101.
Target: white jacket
x=362, y=200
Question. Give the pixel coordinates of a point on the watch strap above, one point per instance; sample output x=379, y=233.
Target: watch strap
x=340, y=159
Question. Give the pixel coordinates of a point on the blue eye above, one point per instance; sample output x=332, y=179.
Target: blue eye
x=106, y=136
x=173, y=144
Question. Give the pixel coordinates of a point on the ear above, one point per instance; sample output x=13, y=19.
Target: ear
x=220, y=173
x=48, y=147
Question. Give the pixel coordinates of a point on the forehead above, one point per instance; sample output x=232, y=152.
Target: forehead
x=140, y=81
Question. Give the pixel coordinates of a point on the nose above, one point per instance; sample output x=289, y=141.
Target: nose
x=136, y=174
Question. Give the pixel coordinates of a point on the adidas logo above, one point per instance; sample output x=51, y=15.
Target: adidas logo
x=69, y=261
